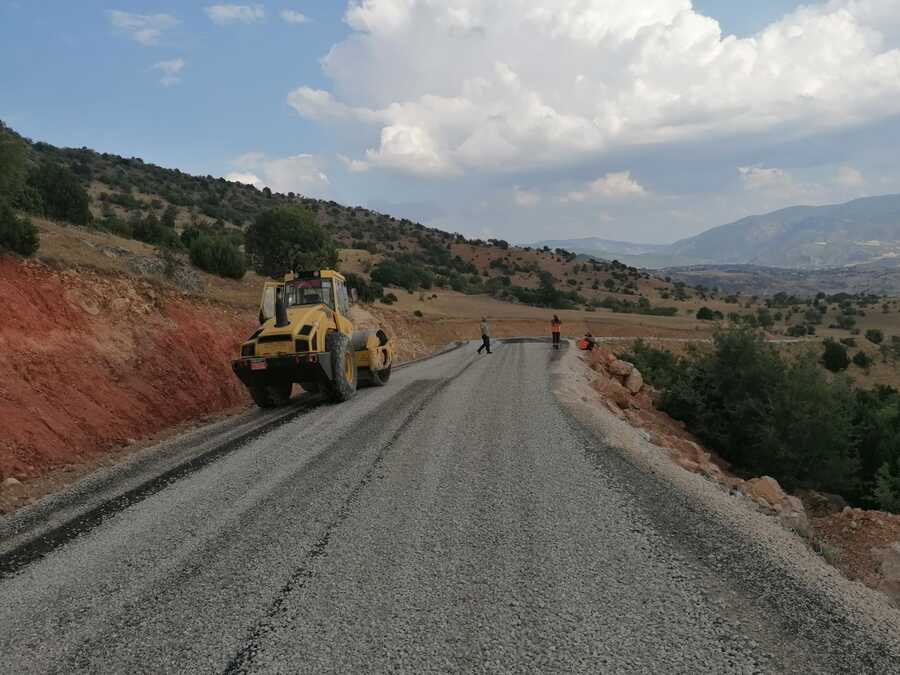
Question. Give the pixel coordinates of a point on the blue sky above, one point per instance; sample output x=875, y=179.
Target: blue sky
x=527, y=119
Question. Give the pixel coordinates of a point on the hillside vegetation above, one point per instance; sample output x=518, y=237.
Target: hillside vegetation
x=768, y=413
x=207, y=219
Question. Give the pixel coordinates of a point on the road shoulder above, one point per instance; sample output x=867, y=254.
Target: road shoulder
x=759, y=561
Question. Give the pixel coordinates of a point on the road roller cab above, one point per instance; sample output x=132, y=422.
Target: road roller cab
x=306, y=337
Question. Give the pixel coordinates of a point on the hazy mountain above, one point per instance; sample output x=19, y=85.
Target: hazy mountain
x=862, y=232
x=807, y=237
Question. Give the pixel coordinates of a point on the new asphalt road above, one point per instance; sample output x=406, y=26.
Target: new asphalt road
x=458, y=519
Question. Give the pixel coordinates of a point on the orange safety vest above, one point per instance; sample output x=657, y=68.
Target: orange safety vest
x=555, y=326
x=584, y=345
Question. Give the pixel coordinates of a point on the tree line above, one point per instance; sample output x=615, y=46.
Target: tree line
x=766, y=414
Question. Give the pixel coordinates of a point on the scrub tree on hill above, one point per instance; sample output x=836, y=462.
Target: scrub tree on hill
x=288, y=238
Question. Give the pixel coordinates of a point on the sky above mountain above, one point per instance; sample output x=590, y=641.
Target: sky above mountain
x=524, y=119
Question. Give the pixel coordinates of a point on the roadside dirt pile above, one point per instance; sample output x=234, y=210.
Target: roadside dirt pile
x=92, y=361
x=867, y=544
x=864, y=545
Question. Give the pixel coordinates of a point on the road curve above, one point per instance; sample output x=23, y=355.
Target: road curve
x=456, y=520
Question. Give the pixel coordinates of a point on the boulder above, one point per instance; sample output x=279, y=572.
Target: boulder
x=820, y=504
x=766, y=489
x=10, y=482
x=614, y=391
x=635, y=381
x=620, y=368
x=792, y=515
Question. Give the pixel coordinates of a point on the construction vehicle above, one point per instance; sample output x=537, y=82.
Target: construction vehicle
x=306, y=337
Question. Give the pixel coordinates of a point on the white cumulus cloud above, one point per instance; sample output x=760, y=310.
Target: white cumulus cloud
x=246, y=178
x=760, y=178
x=171, y=71
x=225, y=14
x=614, y=185
x=145, y=29
x=293, y=16
x=534, y=84
x=526, y=198
x=302, y=174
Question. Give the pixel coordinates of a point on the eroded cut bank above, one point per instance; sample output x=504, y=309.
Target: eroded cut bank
x=91, y=361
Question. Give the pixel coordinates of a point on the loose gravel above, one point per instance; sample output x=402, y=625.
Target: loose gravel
x=459, y=519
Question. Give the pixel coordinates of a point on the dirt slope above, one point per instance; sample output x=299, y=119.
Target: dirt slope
x=91, y=361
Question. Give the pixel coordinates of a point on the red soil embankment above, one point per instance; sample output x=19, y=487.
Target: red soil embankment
x=91, y=361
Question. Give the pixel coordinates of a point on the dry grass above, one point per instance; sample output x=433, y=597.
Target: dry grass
x=70, y=246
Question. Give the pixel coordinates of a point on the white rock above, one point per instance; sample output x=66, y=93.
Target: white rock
x=9, y=482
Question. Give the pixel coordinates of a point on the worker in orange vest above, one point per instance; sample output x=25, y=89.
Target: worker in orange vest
x=555, y=328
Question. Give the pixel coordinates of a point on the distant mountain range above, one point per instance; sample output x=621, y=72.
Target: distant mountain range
x=861, y=232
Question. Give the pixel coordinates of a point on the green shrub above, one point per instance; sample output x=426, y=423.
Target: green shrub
x=797, y=330
x=875, y=336
x=706, y=314
x=218, y=256
x=835, y=357
x=112, y=223
x=642, y=306
x=418, y=313
x=886, y=490
x=389, y=299
x=13, y=165
x=366, y=292
x=17, y=234
x=62, y=194
x=403, y=272
x=845, y=322
x=862, y=360
x=658, y=366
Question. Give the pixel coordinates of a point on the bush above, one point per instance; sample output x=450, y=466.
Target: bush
x=61, y=193
x=389, y=299
x=642, y=306
x=404, y=272
x=835, y=357
x=875, y=336
x=418, y=313
x=13, y=160
x=17, y=234
x=706, y=314
x=366, y=292
x=863, y=360
x=218, y=256
x=797, y=330
x=845, y=322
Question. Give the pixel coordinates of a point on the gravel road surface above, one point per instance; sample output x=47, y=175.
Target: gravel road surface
x=458, y=519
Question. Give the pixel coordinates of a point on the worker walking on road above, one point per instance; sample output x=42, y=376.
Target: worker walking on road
x=485, y=335
x=555, y=328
